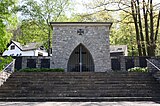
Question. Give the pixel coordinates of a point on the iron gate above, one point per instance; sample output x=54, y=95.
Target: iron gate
x=18, y=63
x=31, y=63
x=45, y=63
x=129, y=63
x=80, y=60
x=115, y=63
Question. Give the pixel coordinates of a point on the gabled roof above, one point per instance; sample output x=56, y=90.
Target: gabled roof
x=29, y=46
x=16, y=44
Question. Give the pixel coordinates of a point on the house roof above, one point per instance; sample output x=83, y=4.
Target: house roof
x=118, y=48
x=17, y=44
x=29, y=46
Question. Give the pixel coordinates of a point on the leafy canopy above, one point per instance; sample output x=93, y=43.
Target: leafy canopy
x=7, y=20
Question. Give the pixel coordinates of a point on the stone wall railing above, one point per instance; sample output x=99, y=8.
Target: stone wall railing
x=153, y=65
x=6, y=72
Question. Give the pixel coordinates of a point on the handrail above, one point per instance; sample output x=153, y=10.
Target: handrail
x=153, y=65
x=4, y=70
x=4, y=75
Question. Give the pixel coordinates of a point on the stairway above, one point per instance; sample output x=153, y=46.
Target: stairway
x=86, y=86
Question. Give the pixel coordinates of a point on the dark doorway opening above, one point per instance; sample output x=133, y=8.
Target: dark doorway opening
x=80, y=60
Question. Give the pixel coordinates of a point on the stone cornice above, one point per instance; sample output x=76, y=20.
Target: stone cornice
x=81, y=24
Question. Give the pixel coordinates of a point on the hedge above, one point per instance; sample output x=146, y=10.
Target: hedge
x=138, y=69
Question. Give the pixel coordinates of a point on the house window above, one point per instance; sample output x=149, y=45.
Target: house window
x=41, y=48
x=11, y=54
x=12, y=47
x=119, y=49
x=40, y=54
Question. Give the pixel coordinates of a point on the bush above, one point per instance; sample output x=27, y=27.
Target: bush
x=138, y=69
x=4, y=61
x=42, y=70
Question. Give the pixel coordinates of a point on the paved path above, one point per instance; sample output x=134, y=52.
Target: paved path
x=79, y=104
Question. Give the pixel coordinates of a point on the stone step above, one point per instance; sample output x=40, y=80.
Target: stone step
x=79, y=99
x=84, y=87
x=80, y=77
x=80, y=82
x=84, y=75
x=52, y=85
x=61, y=84
x=83, y=79
x=80, y=93
x=72, y=74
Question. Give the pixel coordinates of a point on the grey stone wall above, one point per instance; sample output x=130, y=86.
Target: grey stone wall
x=95, y=39
x=37, y=58
x=156, y=62
x=134, y=61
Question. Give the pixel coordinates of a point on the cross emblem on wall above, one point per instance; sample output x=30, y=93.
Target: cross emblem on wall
x=80, y=31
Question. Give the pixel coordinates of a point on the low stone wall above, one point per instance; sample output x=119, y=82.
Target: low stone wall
x=3, y=77
x=32, y=62
x=127, y=62
x=122, y=63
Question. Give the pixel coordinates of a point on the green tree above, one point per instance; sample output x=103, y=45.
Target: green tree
x=123, y=34
x=100, y=16
x=145, y=16
x=28, y=32
x=42, y=12
x=7, y=21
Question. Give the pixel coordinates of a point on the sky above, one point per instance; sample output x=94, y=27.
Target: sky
x=80, y=8
x=79, y=5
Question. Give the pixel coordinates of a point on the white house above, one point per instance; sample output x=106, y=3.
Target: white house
x=118, y=50
x=31, y=49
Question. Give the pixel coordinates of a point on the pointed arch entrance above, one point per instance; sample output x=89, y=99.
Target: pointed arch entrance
x=80, y=60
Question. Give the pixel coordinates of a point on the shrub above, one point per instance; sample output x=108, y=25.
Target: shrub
x=42, y=70
x=138, y=69
x=4, y=61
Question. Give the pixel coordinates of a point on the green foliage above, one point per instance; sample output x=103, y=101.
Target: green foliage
x=7, y=20
x=138, y=69
x=42, y=70
x=101, y=16
x=124, y=34
x=30, y=32
x=4, y=61
x=135, y=19
x=35, y=26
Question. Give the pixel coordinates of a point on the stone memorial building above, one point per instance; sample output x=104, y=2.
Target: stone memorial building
x=81, y=46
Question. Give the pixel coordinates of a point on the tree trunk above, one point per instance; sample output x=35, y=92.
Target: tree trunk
x=157, y=28
x=140, y=29
x=152, y=30
x=134, y=14
x=145, y=13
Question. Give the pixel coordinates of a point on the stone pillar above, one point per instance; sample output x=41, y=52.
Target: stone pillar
x=136, y=62
x=24, y=62
x=123, y=63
